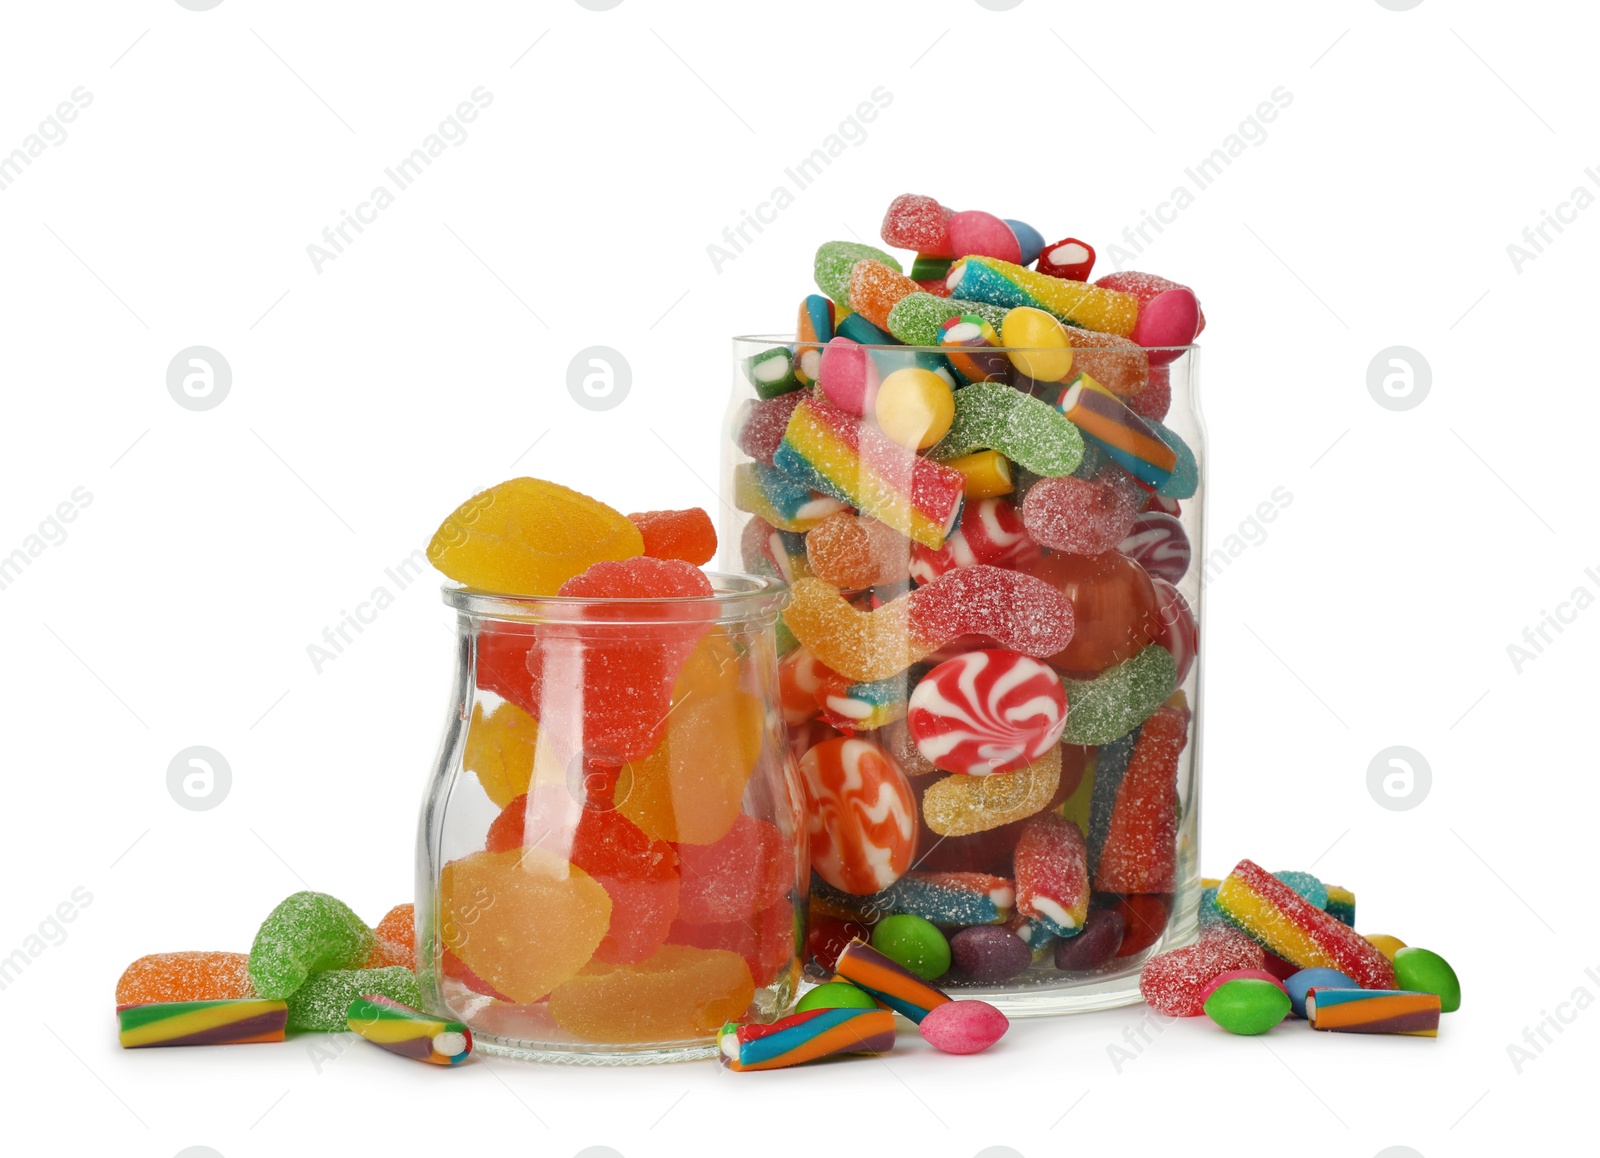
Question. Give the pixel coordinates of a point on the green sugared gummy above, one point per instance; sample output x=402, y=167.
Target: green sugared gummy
x=916, y=318
x=913, y=943
x=1424, y=971
x=307, y=933
x=1120, y=698
x=771, y=372
x=835, y=260
x=1031, y=433
x=322, y=1004
x=836, y=995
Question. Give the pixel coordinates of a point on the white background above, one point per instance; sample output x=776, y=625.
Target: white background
x=369, y=398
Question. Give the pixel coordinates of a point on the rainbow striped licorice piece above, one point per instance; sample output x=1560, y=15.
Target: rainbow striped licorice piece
x=398, y=1028
x=1373, y=1011
x=202, y=1022
x=988, y=279
x=781, y=499
x=836, y=453
x=814, y=329
x=861, y=705
x=897, y=988
x=1299, y=932
x=1127, y=439
x=804, y=1037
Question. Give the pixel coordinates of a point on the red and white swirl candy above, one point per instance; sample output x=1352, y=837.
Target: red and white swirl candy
x=987, y=711
x=1159, y=544
x=1176, y=629
x=990, y=531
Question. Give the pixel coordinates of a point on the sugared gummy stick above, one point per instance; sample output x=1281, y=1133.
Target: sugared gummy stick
x=895, y=987
x=1373, y=1011
x=188, y=976
x=1283, y=921
x=1052, y=870
x=201, y=1023
x=1030, y=432
x=803, y=1037
x=835, y=260
x=916, y=318
x=307, y=933
x=775, y=496
x=1001, y=283
x=409, y=1032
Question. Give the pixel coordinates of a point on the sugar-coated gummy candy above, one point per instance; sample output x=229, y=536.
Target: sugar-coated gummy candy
x=1029, y=432
x=972, y=231
x=1385, y=943
x=914, y=408
x=690, y=787
x=875, y=288
x=234, y=1021
x=1120, y=698
x=766, y=550
x=397, y=939
x=987, y=711
x=862, y=705
x=1004, y=283
x=835, y=260
x=1342, y=905
x=1079, y=517
x=961, y=805
x=989, y=954
x=968, y=1026
x=1174, y=982
x=1052, y=872
x=1159, y=544
x=853, y=553
x=761, y=423
x=1144, y=920
x=681, y=993
x=918, y=318
x=1155, y=400
x=398, y=1028
x=1120, y=434
x=684, y=535
x=526, y=536
x=1424, y=971
x=1114, y=606
x=307, y=932
x=805, y=1036
x=523, y=920
x=1068, y=258
x=836, y=995
x=914, y=221
x=864, y=645
x=990, y=531
x=1140, y=851
x=1017, y=611
x=744, y=871
x=1302, y=981
x=1038, y=343
x=862, y=815
x=185, y=976
x=320, y=1004
x=913, y=943
x=500, y=750
x=945, y=898
x=1308, y=885
x=1096, y=943
x=765, y=940
x=1110, y=766
x=1247, y=1002
x=1169, y=313
x=777, y=497
x=1029, y=240
x=772, y=372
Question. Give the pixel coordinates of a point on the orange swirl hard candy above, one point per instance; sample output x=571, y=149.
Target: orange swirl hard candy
x=862, y=815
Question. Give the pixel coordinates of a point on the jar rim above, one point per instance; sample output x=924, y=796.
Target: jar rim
x=737, y=597
x=793, y=339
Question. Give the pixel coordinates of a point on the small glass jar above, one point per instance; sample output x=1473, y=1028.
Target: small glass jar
x=609, y=846
x=1144, y=593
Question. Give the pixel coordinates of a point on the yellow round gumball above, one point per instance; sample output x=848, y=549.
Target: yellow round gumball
x=915, y=407
x=1038, y=343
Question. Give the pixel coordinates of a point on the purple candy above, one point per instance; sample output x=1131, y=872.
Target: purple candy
x=1094, y=946
x=989, y=953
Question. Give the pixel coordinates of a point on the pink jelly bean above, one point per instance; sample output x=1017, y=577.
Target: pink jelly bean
x=1174, y=983
x=1081, y=517
x=848, y=377
x=974, y=233
x=918, y=223
x=963, y=1026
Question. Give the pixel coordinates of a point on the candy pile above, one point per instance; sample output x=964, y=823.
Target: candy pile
x=964, y=475
x=1273, y=945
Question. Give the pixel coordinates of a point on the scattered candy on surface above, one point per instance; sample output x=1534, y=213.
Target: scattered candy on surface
x=893, y=985
x=215, y=1022
x=805, y=1036
x=163, y=978
x=1424, y=971
x=835, y=995
x=1374, y=1011
x=963, y=1026
x=307, y=932
x=321, y=1004
x=409, y=1032
x=1246, y=1001
x=1301, y=982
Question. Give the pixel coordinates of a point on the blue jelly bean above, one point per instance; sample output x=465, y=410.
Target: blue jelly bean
x=1029, y=240
x=1299, y=984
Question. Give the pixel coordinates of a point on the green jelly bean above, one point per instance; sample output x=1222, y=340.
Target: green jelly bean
x=914, y=944
x=307, y=933
x=1120, y=698
x=1424, y=971
x=323, y=1002
x=1247, y=1005
x=836, y=995
x=1028, y=431
x=916, y=318
x=835, y=260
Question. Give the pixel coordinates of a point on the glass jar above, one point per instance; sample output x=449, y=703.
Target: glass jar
x=1143, y=593
x=608, y=851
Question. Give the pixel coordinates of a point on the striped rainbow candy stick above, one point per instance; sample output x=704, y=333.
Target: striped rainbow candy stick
x=836, y=453
x=1299, y=932
x=398, y=1028
x=1373, y=1011
x=202, y=1022
x=803, y=1037
x=783, y=501
x=1127, y=439
x=897, y=988
x=988, y=279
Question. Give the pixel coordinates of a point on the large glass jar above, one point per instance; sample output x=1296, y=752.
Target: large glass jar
x=609, y=846
x=801, y=476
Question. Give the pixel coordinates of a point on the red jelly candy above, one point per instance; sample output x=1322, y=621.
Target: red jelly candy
x=1141, y=846
x=503, y=665
x=1175, y=983
x=826, y=938
x=1079, y=516
x=1015, y=610
x=745, y=871
x=762, y=425
x=1144, y=919
x=687, y=536
x=765, y=939
x=1114, y=605
x=918, y=223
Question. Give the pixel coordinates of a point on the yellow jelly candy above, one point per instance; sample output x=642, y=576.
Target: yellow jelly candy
x=680, y=993
x=523, y=920
x=1040, y=347
x=690, y=788
x=712, y=668
x=864, y=645
x=528, y=537
x=961, y=805
x=500, y=751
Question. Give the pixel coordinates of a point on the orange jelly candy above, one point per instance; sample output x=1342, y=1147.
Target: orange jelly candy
x=690, y=788
x=397, y=940
x=686, y=535
x=524, y=921
x=680, y=993
x=194, y=976
x=500, y=750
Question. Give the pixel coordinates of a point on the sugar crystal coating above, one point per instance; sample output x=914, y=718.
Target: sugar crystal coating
x=1080, y=517
x=321, y=1004
x=685, y=535
x=307, y=933
x=835, y=260
x=1029, y=432
x=186, y=976
x=1120, y=698
x=1175, y=982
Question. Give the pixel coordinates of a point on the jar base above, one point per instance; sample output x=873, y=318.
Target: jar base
x=519, y=1049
